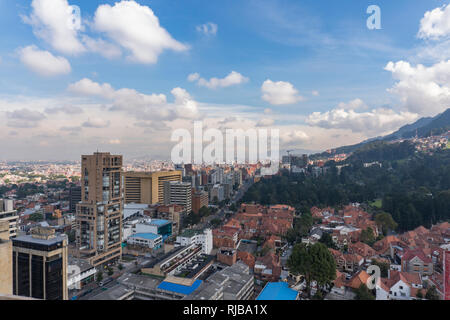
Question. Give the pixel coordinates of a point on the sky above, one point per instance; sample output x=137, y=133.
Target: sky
x=78, y=76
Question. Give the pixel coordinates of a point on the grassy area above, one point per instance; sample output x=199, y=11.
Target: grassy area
x=377, y=203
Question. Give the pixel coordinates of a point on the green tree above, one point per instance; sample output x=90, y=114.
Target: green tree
x=99, y=276
x=314, y=262
x=384, y=267
x=291, y=236
x=363, y=293
x=303, y=224
x=368, y=236
x=36, y=217
x=327, y=240
x=216, y=222
x=385, y=222
x=419, y=294
x=432, y=294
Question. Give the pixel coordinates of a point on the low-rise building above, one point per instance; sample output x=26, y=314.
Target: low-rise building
x=147, y=240
x=198, y=237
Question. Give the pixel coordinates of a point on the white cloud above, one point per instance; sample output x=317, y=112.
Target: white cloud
x=96, y=123
x=315, y=93
x=102, y=47
x=294, y=137
x=114, y=141
x=142, y=106
x=51, y=21
x=423, y=90
x=193, y=77
x=67, y=109
x=24, y=118
x=435, y=24
x=135, y=28
x=233, y=78
x=376, y=121
x=352, y=105
x=280, y=93
x=43, y=62
x=209, y=29
x=266, y=122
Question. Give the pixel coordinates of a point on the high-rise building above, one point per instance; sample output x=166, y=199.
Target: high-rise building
x=74, y=198
x=147, y=187
x=8, y=214
x=99, y=214
x=199, y=200
x=40, y=265
x=5, y=259
x=176, y=192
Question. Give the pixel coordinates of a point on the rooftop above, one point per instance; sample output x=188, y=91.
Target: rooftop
x=148, y=236
x=178, y=288
x=31, y=239
x=159, y=222
x=277, y=291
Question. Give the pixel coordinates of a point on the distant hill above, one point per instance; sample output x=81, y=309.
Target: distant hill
x=425, y=127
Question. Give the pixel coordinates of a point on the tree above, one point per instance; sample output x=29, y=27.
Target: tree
x=385, y=222
x=363, y=293
x=216, y=222
x=291, y=236
x=36, y=217
x=71, y=235
x=99, y=276
x=120, y=266
x=204, y=211
x=327, y=240
x=419, y=294
x=384, y=267
x=315, y=262
x=303, y=224
x=432, y=294
x=368, y=236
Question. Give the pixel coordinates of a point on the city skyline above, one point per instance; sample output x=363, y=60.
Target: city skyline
x=111, y=84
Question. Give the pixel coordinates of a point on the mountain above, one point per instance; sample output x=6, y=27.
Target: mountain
x=424, y=127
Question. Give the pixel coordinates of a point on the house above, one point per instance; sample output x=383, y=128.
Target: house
x=267, y=268
x=389, y=246
x=416, y=261
x=362, y=249
x=347, y=262
x=399, y=286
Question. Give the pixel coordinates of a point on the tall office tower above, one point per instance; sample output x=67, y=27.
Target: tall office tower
x=99, y=214
x=147, y=187
x=40, y=265
x=8, y=214
x=176, y=192
x=5, y=259
x=74, y=198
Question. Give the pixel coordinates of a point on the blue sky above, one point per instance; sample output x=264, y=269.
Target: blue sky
x=329, y=81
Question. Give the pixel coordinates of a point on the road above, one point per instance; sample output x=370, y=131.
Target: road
x=221, y=213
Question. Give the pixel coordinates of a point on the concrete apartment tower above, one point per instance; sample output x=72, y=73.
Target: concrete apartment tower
x=99, y=214
x=180, y=193
x=8, y=214
x=6, y=269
